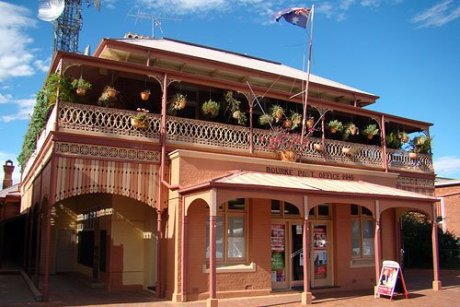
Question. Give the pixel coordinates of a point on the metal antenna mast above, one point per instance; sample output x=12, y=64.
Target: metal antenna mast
x=155, y=21
x=67, y=20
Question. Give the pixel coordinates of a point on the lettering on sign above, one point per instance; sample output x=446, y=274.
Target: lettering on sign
x=308, y=173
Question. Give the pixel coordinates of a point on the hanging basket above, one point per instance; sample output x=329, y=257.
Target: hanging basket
x=111, y=92
x=80, y=91
x=318, y=147
x=288, y=155
x=144, y=95
x=346, y=150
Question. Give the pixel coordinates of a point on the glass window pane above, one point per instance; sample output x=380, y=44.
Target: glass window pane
x=236, y=239
x=219, y=237
x=312, y=212
x=291, y=209
x=236, y=204
x=323, y=210
x=368, y=229
x=354, y=210
x=276, y=207
x=355, y=238
x=366, y=211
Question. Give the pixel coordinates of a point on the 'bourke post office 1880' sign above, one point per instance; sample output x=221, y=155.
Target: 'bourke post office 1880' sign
x=308, y=173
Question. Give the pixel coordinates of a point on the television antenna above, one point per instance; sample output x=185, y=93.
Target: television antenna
x=66, y=17
x=154, y=21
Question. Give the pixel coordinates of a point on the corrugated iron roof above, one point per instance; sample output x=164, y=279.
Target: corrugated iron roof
x=308, y=184
x=236, y=59
x=10, y=191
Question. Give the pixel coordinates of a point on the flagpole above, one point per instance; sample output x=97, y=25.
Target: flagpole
x=305, y=102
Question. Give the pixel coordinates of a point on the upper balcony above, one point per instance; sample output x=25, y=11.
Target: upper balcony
x=248, y=120
x=203, y=135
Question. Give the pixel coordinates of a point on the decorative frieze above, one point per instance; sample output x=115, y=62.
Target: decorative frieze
x=98, y=151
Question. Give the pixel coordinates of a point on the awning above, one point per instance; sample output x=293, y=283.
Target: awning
x=307, y=185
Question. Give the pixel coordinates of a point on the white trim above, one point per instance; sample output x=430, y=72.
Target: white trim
x=233, y=268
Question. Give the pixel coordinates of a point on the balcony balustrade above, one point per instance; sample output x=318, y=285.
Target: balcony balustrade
x=183, y=132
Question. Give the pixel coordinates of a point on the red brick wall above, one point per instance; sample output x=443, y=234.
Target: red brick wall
x=452, y=207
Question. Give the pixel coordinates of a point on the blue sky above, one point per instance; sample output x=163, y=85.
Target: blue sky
x=405, y=51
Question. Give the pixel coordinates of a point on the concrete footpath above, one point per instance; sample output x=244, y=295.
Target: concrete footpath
x=66, y=290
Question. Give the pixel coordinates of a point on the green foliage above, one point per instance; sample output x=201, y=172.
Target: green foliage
x=210, y=108
x=417, y=243
x=36, y=125
x=421, y=144
x=371, y=130
x=232, y=108
x=81, y=83
x=393, y=140
x=57, y=82
x=335, y=126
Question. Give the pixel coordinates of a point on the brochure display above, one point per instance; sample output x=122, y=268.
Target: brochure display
x=391, y=280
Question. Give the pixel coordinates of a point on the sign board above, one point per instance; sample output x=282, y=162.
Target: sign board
x=391, y=280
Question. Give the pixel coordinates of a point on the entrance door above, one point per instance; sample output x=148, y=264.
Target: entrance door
x=296, y=255
x=278, y=256
x=321, y=251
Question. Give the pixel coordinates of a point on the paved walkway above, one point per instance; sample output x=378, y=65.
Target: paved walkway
x=65, y=291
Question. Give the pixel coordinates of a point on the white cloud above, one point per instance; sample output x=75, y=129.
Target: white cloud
x=43, y=65
x=4, y=156
x=438, y=15
x=447, y=166
x=24, y=108
x=5, y=98
x=109, y=4
x=15, y=58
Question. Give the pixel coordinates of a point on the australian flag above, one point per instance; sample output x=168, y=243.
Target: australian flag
x=297, y=16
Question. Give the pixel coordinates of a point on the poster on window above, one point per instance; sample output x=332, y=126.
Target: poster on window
x=277, y=237
x=320, y=264
x=319, y=237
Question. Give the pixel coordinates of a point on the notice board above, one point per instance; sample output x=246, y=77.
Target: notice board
x=391, y=280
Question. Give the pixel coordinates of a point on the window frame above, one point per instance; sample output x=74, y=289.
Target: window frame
x=361, y=219
x=226, y=213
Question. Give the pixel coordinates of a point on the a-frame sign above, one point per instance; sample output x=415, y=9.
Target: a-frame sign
x=391, y=280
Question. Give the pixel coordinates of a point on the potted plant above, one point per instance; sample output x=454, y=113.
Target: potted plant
x=350, y=129
x=296, y=119
x=335, y=126
x=370, y=131
x=310, y=122
x=110, y=91
x=233, y=108
x=81, y=86
x=107, y=97
x=403, y=136
x=178, y=102
x=318, y=146
x=277, y=112
x=393, y=140
x=210, y=108
x=145, y=94
x=265, y=119
x=140, y=120
x=286, y=144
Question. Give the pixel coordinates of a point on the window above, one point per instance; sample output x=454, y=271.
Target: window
x=282, y=208
x=320, y=212
x=231, y=234
x=362, y=232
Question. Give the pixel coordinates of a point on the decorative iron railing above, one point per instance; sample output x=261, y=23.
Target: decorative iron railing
x=190, y=132
x=400, y=160
x=106, y=120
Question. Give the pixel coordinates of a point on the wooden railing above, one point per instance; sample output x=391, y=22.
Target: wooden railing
x=190, y=132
